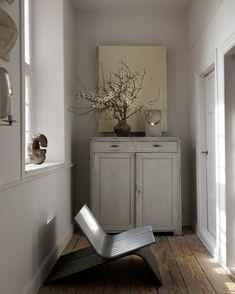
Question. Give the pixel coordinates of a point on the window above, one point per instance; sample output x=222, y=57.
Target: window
x=43, y=78
x=28, y=74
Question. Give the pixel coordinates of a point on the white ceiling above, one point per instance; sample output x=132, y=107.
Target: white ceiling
x=131, y=5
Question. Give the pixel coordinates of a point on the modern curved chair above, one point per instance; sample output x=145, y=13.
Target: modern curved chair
x=105, y=248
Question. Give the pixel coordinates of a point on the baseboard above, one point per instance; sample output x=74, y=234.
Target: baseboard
x=48, y=263
x=207, y=241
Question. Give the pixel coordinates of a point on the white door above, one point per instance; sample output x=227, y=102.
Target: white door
x=210, y=156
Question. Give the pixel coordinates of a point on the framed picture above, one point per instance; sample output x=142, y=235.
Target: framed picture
x=152, y=59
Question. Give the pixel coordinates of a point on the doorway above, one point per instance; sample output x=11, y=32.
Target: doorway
x=206, y=159
x=209, y=152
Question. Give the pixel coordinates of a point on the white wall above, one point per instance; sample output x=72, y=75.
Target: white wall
x=35, y=211
x=200, y=15
x=35, y=223
x=214, y=33
x=137, y=28
x=209, y=28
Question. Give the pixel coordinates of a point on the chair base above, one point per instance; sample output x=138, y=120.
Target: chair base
x=86, y=258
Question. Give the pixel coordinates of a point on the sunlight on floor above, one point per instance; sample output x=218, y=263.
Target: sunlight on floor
x=230, y=286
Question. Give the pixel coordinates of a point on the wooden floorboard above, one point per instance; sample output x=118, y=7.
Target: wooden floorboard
x=118, y=276
x=220, y=281
x=195, y=279
x=184, y=263
x=72, y=243
x=141, y=279
x=170, y=273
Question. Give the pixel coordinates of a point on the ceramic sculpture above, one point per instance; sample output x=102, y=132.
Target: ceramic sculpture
x=35, y=153
x=8, y=35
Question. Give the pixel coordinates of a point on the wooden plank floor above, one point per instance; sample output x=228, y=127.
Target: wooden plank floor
x=184, y=263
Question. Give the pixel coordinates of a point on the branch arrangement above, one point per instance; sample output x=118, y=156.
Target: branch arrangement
x=116, y=97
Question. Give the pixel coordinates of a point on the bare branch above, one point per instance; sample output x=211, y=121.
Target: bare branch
x=115, y=97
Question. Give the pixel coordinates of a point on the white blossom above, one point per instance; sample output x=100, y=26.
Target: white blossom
x=116, y=97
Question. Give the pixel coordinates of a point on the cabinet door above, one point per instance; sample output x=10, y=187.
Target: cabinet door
x=157, y=190
x=113, y=190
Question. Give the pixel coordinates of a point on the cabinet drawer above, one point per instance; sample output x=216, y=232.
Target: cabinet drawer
x=112, y=146
x=156, y=146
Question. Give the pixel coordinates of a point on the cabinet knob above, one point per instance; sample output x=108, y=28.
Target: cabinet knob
x=114, y=146
x=157, y=145
x=205, y=152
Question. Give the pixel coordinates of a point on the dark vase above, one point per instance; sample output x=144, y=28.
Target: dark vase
x=122, y=129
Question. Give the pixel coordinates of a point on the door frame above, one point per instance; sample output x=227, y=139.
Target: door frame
x=206, y=237
x=228, y=44
x=216, y=61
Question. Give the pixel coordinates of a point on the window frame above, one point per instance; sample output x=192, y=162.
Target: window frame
x=27, y=73
x=57, y=159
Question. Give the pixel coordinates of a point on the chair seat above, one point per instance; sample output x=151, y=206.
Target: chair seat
x=110, y=246
x=121, y=244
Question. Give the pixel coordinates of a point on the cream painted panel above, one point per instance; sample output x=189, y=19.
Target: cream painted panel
x=110, y=146
x=157, y=181
x=157, y=146
x=150, y=58
x=113, y=192
x=157, y=185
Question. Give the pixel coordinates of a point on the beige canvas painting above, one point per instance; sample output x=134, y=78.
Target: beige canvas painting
x=150, y=58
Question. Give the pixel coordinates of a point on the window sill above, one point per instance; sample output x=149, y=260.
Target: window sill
x=35, y=169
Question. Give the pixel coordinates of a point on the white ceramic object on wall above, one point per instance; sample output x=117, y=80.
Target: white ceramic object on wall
x=8, y=35
x=5, y=94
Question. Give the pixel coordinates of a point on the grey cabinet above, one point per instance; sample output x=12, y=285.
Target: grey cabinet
x=136, y=181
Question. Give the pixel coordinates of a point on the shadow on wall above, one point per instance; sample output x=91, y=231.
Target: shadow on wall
x=46, y=240
x=74, y=209
x=86, y=128
x=193, y=188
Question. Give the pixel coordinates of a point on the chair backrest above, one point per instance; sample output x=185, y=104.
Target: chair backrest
x=91, y=228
